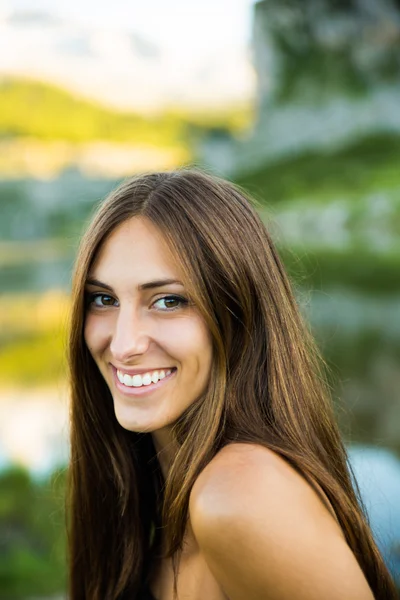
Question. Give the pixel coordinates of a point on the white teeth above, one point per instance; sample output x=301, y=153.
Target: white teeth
x=144, y=379
x=136, y=380
x=127, y=380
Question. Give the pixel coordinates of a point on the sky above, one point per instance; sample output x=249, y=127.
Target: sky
x=203, y=49
x=171, y=23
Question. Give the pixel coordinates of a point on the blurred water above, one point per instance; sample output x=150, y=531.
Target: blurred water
x=377, y=472
x=34, y=429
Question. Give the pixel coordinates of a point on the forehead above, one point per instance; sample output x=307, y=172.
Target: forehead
x=136, y=246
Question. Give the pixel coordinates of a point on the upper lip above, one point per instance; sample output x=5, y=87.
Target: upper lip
x=129, y=371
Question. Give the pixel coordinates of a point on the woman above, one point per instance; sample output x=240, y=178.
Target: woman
x=205, y=458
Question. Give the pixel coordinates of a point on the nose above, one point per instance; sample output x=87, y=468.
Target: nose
x=129, y=338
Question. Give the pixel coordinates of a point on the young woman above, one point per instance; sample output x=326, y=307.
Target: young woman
x=206, y=462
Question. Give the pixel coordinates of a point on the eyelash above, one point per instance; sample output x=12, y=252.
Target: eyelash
x=92, y=297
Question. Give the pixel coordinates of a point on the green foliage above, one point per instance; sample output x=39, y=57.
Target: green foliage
x=42, y=356
x=352, y=176
x=32, y=527
x=314, y=72
x=32, y=334
x=324, y=268
x=367, y=361
x=316, y=60
x=356, y=355
x=45, y=112
x=362, y=167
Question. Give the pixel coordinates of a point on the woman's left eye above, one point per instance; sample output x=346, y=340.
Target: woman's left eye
x=177, y=302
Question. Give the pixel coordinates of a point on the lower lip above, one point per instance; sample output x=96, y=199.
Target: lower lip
x=144, y=389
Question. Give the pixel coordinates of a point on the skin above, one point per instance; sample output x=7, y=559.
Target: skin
x=133, y=328
x=265, y=533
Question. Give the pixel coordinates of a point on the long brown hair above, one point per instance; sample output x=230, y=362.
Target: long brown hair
x=266, y=386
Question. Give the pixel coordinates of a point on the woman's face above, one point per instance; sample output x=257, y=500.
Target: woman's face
x=150, y=344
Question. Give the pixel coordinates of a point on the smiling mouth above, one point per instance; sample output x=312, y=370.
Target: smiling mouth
x=143, y=379
x=143, y=384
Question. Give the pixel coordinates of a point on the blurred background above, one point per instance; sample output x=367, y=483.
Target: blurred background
x=299, y=103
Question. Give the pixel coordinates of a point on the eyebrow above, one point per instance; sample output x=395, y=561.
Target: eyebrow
x=143, y=286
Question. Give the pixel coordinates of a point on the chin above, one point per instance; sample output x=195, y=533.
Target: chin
x=132, y=422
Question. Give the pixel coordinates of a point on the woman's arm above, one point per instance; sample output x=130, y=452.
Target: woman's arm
x=266, y=534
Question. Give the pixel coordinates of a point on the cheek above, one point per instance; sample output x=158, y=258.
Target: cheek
x=193, y=343
x=95, y=334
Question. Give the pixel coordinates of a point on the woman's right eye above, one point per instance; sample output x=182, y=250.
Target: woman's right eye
x=101, y=300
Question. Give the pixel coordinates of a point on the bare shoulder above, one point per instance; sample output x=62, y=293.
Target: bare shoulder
x=253, y=473
x=265, y=532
